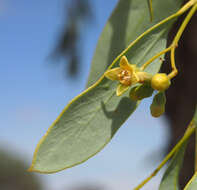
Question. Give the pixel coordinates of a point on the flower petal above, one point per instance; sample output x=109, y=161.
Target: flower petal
x=124, y=64
x=112, y=74
x=121, y=89
x=134, y=78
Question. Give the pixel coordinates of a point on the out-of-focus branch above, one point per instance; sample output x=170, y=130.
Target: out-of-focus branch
x=77, y=12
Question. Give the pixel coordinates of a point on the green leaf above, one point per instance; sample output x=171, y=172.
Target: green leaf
x=192, y=184
x=91, y=119
x=170, y=180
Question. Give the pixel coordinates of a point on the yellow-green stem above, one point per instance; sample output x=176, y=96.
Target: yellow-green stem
x=150, y=9
x=176, y=40
x=155, y=57
x=187, y=5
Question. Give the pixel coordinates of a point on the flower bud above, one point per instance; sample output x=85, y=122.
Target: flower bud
x=140, y=92
x=160, y=82
x=157, y=107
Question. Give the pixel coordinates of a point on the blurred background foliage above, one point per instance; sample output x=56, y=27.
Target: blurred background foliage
x=77, y=12
x=14, y=175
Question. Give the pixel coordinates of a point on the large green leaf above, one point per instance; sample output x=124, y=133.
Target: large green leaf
x=170, y=180
x=91, y=119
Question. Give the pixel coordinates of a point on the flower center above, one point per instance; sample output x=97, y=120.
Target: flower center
x=125, y=77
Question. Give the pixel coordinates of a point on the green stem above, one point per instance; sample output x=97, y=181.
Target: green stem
x=155, y=57
x=176, y=40
x=150, y=9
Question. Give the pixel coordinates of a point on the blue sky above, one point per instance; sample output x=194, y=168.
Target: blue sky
x=34, y=92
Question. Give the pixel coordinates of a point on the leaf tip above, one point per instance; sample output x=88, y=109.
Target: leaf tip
x=32, y=169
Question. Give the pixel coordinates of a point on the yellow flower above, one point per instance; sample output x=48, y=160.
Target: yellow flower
x=125, y=74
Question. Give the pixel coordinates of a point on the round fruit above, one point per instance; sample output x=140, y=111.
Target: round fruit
x=160, y=82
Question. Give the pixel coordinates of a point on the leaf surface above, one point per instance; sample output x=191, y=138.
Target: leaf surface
x=91, y=119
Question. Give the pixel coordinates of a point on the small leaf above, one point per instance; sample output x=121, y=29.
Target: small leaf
x=157, y=107
x=170, y=180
